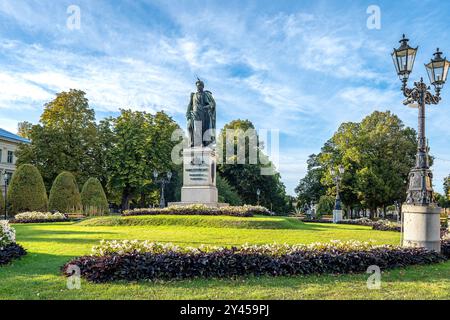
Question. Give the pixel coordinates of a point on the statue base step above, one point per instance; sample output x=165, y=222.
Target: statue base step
x=199, y=194
x=421, y=227
x=209, y=205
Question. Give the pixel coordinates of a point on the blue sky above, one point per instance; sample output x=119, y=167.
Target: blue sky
x=301, y=67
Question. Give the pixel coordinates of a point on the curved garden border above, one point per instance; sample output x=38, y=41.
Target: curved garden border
x=168, y=262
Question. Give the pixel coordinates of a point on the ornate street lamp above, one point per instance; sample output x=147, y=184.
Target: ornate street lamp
x=5, y=180
x=163, y=181
x=337, y=177
x=258, y=193
x=437, y=70
x=403, y=58
x=421, y=220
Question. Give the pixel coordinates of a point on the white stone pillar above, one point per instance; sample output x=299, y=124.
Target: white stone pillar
x=337, y=216
x=421, y=227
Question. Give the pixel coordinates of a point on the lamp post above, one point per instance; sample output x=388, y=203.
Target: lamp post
x=421, y=215
x=312, y=210
x=258, y=193
x=5, y=180
x=337, y=177
x=163, y=181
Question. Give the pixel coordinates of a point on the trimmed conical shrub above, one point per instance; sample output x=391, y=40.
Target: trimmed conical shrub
x=26, y=191
x=64, y=194
x=93, y=198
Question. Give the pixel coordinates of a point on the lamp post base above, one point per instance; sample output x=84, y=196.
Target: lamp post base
x=337, y=216
x=421, y=227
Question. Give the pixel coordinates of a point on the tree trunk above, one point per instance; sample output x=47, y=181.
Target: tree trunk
x=142, y=201
x=125, y=199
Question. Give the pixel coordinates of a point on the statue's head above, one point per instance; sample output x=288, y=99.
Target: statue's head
x=200, y=85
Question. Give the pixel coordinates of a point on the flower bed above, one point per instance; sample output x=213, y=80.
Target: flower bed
x=381, y=225
x=39, y=217
x=142, y=260
x=386, y=225
x=9, y=250
x=237, y=211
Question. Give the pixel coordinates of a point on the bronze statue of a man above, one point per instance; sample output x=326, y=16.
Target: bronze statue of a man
x=201, y=117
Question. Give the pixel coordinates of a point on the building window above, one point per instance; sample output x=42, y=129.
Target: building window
x=8, y=177
x=10, y=157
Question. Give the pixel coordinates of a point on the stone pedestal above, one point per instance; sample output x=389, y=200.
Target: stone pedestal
x=421, y=227
x=337, y=216
x=199, y=178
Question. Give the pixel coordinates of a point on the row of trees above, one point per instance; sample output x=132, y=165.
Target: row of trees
x=122, y=152
x=444, y=199
x=27, y=192
x=377, y=154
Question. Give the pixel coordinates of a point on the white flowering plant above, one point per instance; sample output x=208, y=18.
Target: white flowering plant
x=7, y=234
x=39, y=216
x=120, y=247
x=199, y=209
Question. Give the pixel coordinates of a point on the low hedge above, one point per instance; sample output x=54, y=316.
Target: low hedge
x=237, y=211
x=39, y=217
x=11, y=252
x=136, y=260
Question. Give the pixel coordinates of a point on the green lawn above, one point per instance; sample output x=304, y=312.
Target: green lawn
x=49, y=246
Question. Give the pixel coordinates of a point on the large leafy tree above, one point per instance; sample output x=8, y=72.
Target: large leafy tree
x=377, y=154
x=447, y=187
x=65, y=139
x=310, y=188
x=247, y=178
x=135, y=144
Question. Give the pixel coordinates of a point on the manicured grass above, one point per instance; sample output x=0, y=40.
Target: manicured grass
x=49, y=246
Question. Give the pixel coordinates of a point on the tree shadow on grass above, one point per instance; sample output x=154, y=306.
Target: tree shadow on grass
x=52, y=236
x=402, y=275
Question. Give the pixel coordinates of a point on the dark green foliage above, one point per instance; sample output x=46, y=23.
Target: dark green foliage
x=136, y=143
x=447, y=187
x=64, y=195
x=377, y=154
x=239, y=261
x=247, y=178
x=227, y=193
x=325, y=205
x=310, y=188
x=26, y=191
x=11, y=252
x=66, y=138
x=93, y=198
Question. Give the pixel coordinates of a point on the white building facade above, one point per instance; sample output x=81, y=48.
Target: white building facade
x=9, y=143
